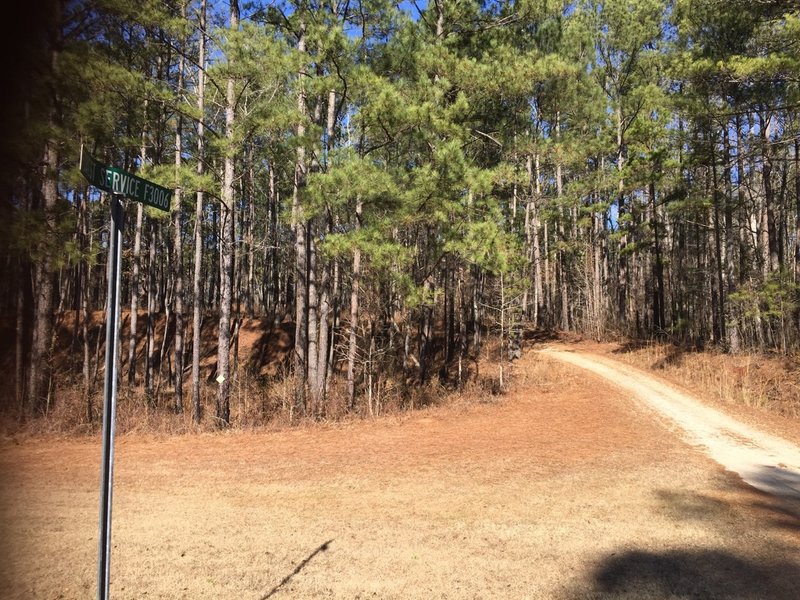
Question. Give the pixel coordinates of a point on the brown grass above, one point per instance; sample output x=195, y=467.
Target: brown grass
x=560, y=490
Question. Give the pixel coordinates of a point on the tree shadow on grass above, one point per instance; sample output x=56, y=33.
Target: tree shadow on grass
x=774, y=511
x=697, y=573
x=674, y=353
x=781, y=481
x=701, y=574
x=300, y=566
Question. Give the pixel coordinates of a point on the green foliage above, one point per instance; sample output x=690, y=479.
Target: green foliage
x=561, y=116
x=486, y=245
x=33, y=238
x=778, y=297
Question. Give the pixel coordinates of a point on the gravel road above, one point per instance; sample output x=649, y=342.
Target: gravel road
x=766, y=462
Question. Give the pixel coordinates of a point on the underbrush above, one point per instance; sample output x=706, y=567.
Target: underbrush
x=769, y=382
x=264, y=403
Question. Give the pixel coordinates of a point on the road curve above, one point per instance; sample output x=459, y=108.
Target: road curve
x=768, y=463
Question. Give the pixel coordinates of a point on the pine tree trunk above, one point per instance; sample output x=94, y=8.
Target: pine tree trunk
x=622, y=266
x=502, y=330
x=149, y=382
x=163, y=356
x=85, y=275
x=426, y=322
x=249, y=237
x=40, y=369
x=177, y=218
x=562, y=255
x=532, y=237
x=211, y=270
x=797, y=213
x=274, y=284
x=658, y=264
x=537, y=253
x=226, y=246
x=135, y=283
x=764, y=207
x=313, y=322
x=324, y=345
x=335, y=304
x=597, y=273
x=744, y=216
x=197, y=291
x=137, y=251
x=44, y=292
x=477, y=316
x=463, y=341
x=449, y=315
x=354, y=291
x=773, y=243
x=324, y=340
x=732, y=326
x=300, y=245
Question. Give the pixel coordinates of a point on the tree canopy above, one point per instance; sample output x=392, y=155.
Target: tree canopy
x=399, y=180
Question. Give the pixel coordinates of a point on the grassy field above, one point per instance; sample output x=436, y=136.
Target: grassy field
x=563, y=489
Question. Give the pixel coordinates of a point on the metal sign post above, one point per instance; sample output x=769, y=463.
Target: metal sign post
x=109, y=395
x=120, y=183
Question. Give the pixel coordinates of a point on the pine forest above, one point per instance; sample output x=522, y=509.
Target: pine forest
x=391, y=190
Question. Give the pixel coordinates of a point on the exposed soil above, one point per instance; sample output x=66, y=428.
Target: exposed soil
x=568, y=488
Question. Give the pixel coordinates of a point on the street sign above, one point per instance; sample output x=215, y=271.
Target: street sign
x=117, y=181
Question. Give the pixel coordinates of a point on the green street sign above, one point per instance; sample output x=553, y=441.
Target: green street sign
x=117, y=181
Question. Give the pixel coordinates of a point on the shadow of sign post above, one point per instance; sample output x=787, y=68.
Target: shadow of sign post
x=297, y=569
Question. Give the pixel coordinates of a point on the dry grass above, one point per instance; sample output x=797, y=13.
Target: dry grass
x=767, y=382
x=562, y=491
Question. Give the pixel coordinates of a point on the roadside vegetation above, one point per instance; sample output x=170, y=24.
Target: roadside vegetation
x=385, y=195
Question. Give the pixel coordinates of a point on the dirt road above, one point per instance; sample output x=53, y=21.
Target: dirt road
x=766, y=462
x=566, y=489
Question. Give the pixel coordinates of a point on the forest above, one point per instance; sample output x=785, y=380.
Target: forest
x=396, y=184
